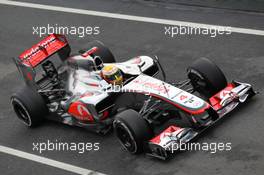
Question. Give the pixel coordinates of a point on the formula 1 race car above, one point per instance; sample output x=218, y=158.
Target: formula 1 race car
x=148, y=114
x=70, y=88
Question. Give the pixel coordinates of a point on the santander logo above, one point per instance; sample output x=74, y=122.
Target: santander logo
x=34, y=50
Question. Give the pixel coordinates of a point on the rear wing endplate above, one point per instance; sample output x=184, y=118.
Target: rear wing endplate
x=38, y=53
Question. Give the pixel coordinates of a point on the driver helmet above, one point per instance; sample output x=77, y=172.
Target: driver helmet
x=112, y=74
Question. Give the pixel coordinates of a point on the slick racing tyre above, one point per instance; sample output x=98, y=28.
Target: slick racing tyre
x=206, y=77
x=29, y=106
x=103, y=52
x=132, y=130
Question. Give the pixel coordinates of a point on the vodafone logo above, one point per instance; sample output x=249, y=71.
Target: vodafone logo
x=183, y=97
x=224, y=93
x=80, y=111
x=168, y=136
x=165, y=137
x=83, y=111
x=165, y=134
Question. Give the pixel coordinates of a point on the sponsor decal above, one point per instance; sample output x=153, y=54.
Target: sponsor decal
x=183, y=97
x=153, y=85
x=83, y=111
x=36, y=49
x=224, y=93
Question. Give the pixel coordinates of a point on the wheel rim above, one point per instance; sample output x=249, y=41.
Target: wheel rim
x=21, y=112
x=125, y=137
x=198, y=81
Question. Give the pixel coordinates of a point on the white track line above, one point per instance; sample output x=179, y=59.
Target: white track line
x=128, y=17
x=46, y=161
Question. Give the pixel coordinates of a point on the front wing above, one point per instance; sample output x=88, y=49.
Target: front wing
x=225, y=101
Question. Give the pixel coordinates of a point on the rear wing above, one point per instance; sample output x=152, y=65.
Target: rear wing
x=38, y=53
x=44, y=49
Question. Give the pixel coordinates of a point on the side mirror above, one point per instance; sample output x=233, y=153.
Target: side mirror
x=156, y=60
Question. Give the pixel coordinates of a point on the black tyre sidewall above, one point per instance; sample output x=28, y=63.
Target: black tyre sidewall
x=136, y=126
x=33, y=103
x=211, y=73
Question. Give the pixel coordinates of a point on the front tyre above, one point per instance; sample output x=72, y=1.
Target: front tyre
x=132, y=130
x=29, y=106
x=206, y=77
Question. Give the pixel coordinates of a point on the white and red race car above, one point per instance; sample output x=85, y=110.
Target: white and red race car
x=148, y=114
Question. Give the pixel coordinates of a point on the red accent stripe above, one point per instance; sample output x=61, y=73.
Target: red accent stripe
x=90, y=52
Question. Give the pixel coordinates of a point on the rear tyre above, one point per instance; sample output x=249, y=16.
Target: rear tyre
x=103, y=52
x=29, y=106
x=206, y=77
x=132, y=130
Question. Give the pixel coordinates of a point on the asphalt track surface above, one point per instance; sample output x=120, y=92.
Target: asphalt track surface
x=241, y=57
